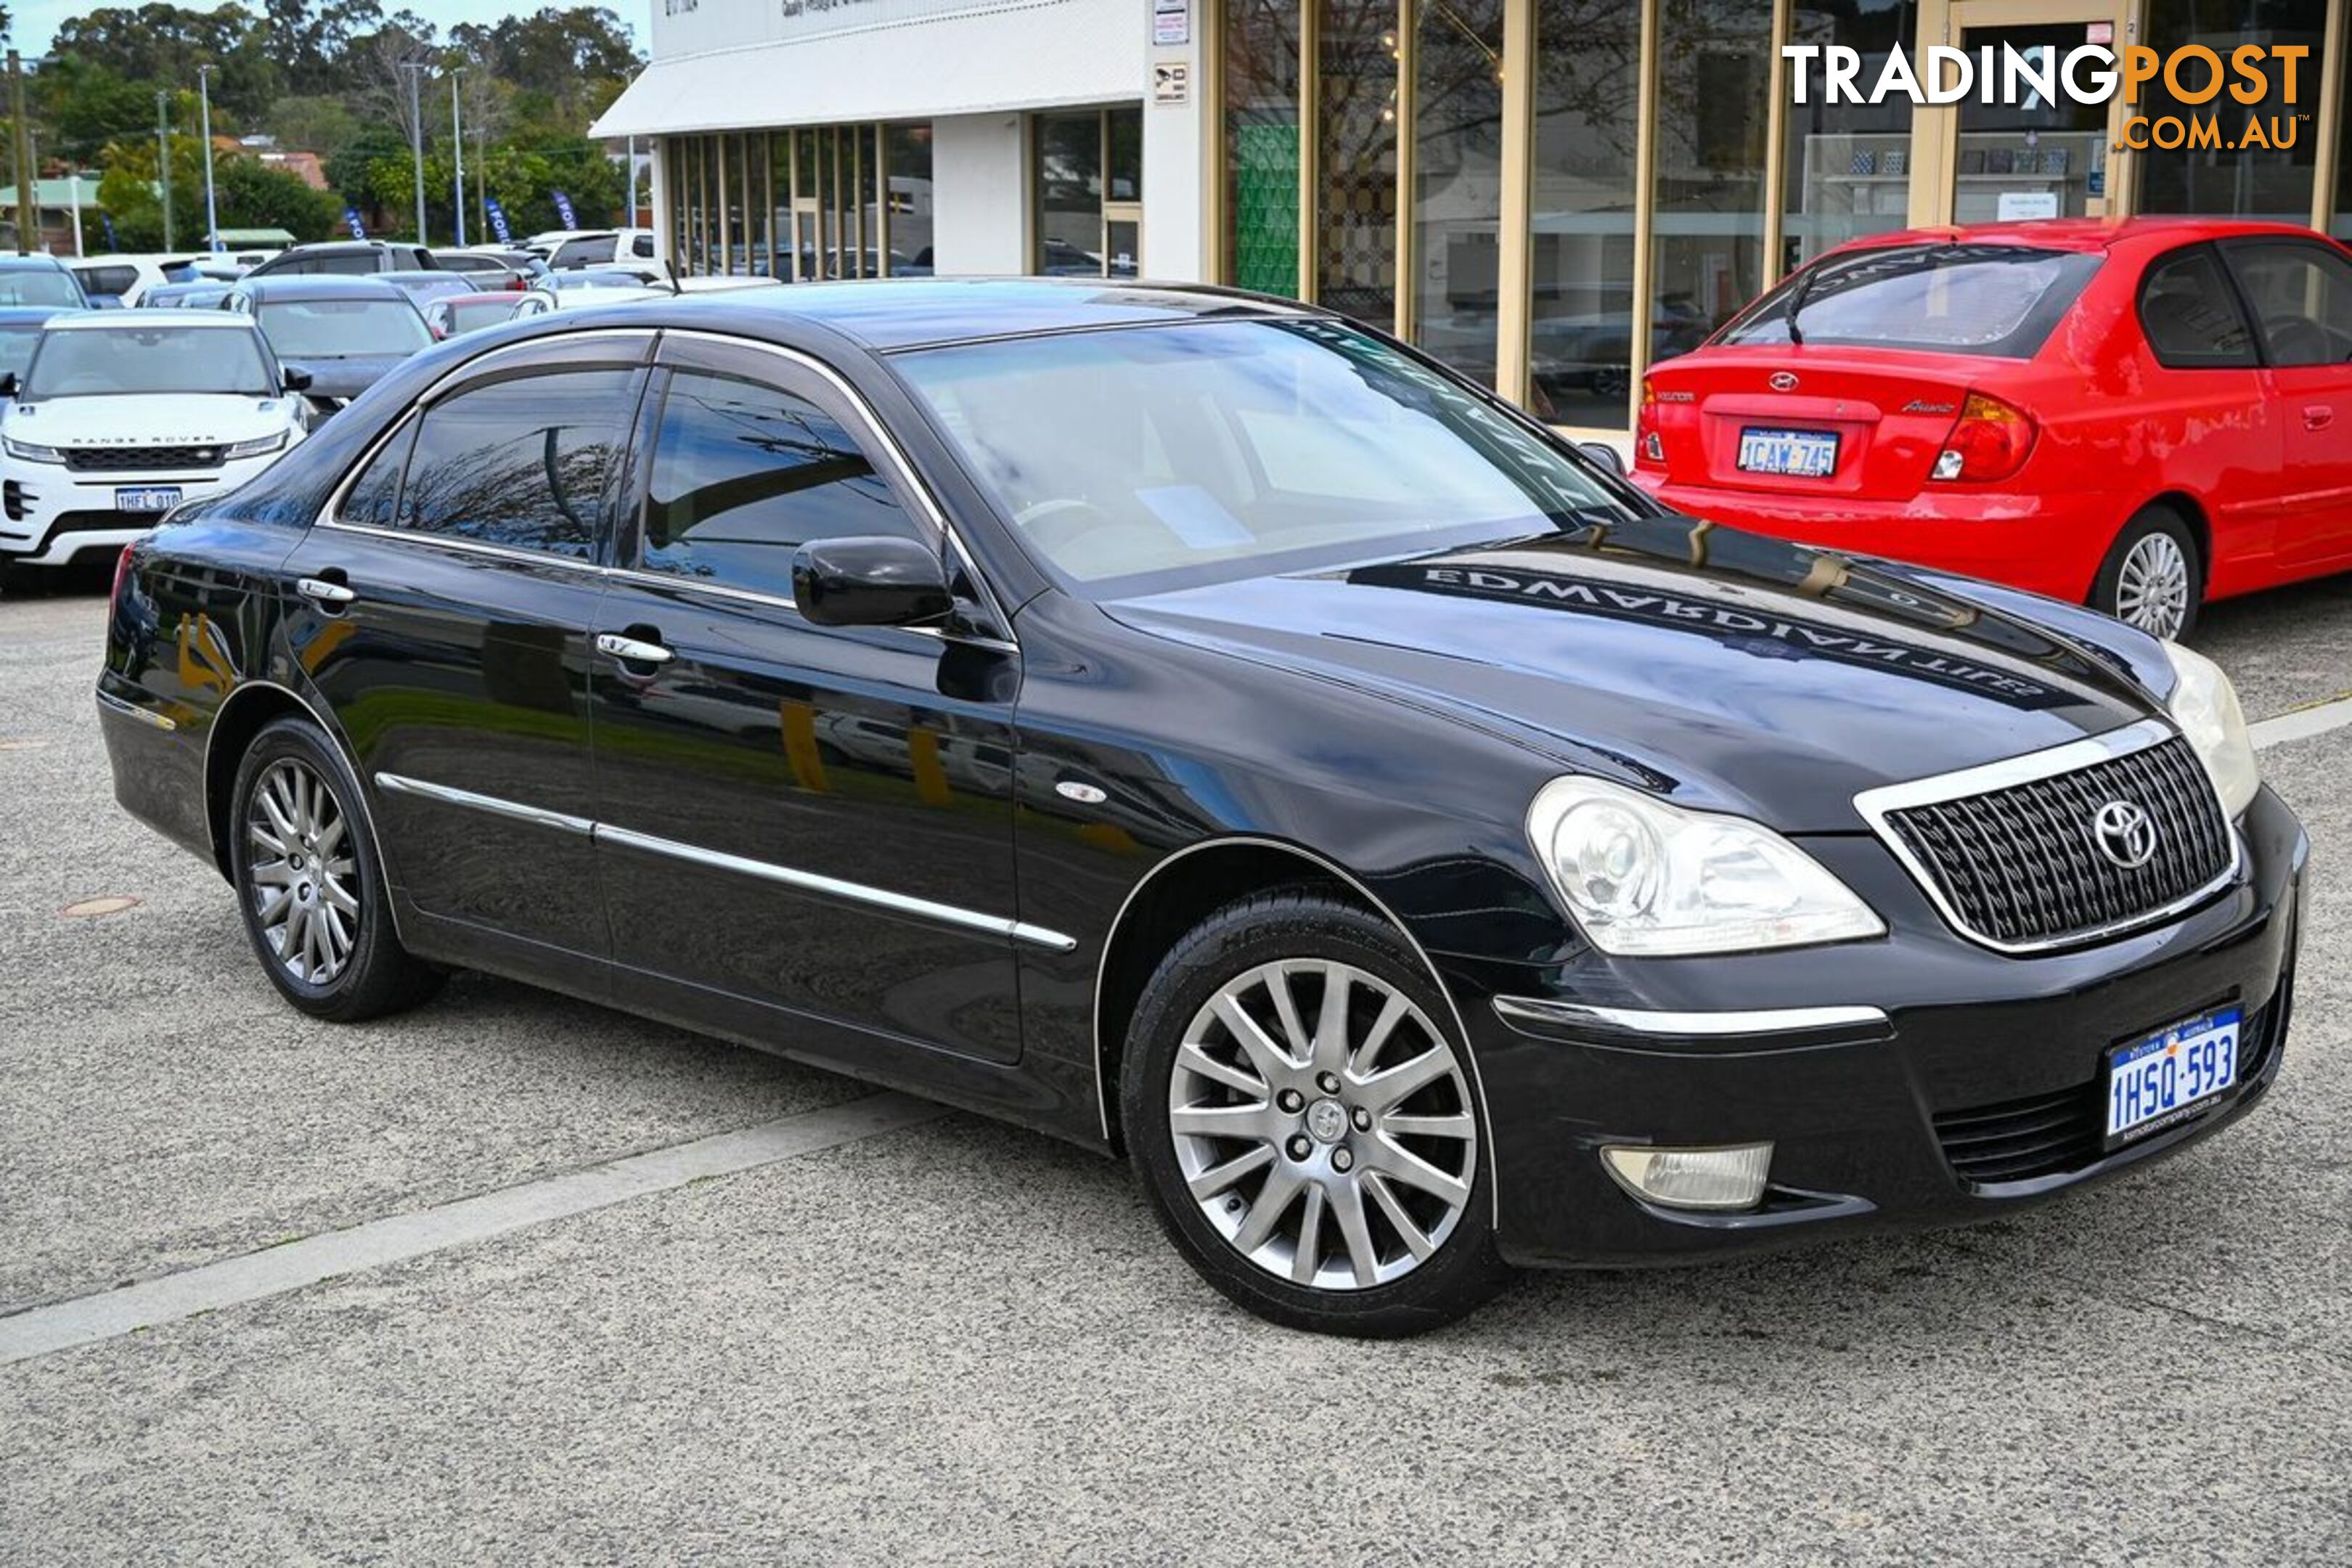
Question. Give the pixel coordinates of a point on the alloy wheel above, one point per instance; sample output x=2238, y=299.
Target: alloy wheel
x=2152, y=588
x=1337, y=1153
x=299, y=872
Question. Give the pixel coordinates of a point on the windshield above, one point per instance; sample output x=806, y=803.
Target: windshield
x=339, y=329
x=466, y=317
x=1995, y=299
x=1226, y=448
x=107, y=362
x=17, y=347
x=39, y=285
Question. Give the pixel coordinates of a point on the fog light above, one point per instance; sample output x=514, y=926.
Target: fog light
x=1731, y=1177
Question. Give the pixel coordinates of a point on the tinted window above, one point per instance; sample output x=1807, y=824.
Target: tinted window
x=643, y=246
x=522, y=463
x=1994, y=300
x=743, y=474
x=349, y=261
x=374, y=496
x=16, y=348
x=108, y=279
x=2302, y=297
x=580, y=252
x=2190, y=316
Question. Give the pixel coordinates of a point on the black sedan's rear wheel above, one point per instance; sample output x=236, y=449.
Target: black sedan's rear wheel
x=310, y=884
x=1305, y=1126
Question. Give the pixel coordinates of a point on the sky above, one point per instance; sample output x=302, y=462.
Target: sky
x=36, y=20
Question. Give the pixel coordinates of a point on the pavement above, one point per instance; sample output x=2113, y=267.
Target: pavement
x=513, y=1278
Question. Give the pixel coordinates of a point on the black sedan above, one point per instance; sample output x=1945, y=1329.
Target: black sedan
x=1197, y=727
x=344, y=333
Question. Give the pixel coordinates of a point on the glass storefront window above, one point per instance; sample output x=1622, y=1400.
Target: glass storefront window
x=1714, y=81
x=1069, y=185
x=910, y=199
x=1458, y=178
x=1581, y=317
x=1260, y=72
x=1356, y=160
x=2260, y=182
x=1849, y=164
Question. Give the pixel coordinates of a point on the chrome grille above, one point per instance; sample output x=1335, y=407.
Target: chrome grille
x=134, y=460
x=2019, y=867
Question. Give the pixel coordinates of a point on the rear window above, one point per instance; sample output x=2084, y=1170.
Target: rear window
x=1999, y=301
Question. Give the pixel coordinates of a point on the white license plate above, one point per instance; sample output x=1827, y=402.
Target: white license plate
x=2164, y=1078
x=146, y=498
x=1809, y=454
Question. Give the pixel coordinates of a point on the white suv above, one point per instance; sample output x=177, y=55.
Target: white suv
x=123, y=415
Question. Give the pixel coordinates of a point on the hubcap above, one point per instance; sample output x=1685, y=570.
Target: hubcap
x=1357, y=1185
x=299, y=872
x=2152, y=589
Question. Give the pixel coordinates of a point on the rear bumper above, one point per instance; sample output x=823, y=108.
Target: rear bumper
x=1876, y=1122
x=2049, y=544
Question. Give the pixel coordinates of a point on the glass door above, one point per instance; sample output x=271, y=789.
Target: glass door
x=2026, y=155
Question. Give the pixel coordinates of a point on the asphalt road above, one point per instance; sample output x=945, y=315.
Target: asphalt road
x=958, y=1343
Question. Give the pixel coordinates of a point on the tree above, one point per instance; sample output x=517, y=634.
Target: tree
x=162, y=42
x=248, y=193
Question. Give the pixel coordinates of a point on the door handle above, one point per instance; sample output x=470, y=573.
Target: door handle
x=2319, y=417
x=629, y=650
x=332, y=595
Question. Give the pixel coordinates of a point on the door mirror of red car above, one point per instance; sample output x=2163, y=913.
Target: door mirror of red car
x=875, y=582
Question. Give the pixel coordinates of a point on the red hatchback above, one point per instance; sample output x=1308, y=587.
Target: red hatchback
x=2140, y=415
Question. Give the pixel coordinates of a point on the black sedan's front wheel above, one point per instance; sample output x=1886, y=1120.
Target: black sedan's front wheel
x=1306, y=1127
x=311, y=883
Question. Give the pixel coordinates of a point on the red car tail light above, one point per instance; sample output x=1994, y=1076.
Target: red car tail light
x=1649, y=448
x=1988, y=441
x=121, y=575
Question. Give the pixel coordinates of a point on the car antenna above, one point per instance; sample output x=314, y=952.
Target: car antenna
x=669, y=267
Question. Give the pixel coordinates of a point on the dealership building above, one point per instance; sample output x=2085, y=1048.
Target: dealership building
x=1505, y=183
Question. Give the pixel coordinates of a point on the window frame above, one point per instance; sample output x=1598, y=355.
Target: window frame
x=2236, y=244
x=2257, y=351
x=629, y=349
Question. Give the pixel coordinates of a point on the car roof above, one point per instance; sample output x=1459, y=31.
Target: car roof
x=145, y=320
x=300, y=286
x=480, y=295
x=22, y=315
x=22, y=263
x=2081, y=233
x=890, y=314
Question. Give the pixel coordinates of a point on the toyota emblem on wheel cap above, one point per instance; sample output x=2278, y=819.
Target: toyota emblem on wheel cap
x=1784, y=381
x=2124, y=833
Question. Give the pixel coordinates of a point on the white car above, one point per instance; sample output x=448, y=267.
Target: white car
x=565, y=249
x=573, y=290
x=121, y=416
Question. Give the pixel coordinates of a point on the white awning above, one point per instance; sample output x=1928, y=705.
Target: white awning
x=1030, y=57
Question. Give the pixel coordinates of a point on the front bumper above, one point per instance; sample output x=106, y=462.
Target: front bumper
x=54, y=513
x=2045, y=543
x=1873, y=1123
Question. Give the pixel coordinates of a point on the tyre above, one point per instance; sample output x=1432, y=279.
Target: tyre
x=1305, y=1123
x=311, y=883
x=2154, y=578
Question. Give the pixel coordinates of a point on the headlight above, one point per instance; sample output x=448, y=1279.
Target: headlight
x=31, y=453
x=2205, y=705
x=1645, y=878
x=259, y=446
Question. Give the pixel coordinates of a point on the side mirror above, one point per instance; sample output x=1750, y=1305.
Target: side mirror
x=8, y=384
x=297, y=380
x=1605, y=455
x=869, y=583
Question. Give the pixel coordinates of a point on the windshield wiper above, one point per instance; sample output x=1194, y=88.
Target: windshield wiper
x=1796, y=298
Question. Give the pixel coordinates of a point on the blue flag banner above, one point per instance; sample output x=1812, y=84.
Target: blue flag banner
x=563, y=209
x=351, y=218
x=499, y=221
x=107, y=223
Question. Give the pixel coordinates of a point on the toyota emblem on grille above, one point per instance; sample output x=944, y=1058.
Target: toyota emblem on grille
x=2124, y=833
x=1784, y=381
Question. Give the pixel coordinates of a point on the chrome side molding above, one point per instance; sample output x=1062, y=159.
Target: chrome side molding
x=766, y=871
x=1691, y=1026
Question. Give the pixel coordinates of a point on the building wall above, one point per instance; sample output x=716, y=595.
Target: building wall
x=979, y=201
